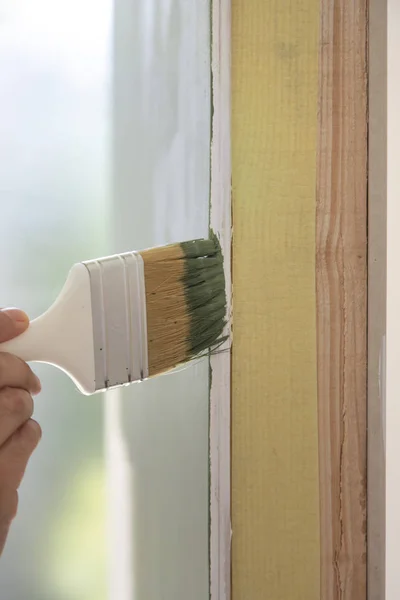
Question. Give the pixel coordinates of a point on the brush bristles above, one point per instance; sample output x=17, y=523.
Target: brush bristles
x=186, y=301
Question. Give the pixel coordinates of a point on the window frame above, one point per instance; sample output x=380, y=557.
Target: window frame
x=220, y=373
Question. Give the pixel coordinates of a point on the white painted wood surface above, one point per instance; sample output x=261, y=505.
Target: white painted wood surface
x=220, y=220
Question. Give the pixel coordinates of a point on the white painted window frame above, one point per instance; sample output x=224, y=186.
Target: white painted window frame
x=220, y=391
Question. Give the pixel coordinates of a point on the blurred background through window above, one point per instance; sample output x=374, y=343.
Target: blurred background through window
x=104, y=146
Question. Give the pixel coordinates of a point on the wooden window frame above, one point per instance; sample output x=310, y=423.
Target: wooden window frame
x=220, y=364
x=361, y=33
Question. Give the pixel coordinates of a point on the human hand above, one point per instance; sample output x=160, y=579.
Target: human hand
x=19, y=434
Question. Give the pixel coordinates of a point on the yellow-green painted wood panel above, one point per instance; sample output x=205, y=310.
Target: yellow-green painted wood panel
x=275, y=498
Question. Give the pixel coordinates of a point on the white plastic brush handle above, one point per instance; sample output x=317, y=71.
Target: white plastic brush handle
x=63, y=335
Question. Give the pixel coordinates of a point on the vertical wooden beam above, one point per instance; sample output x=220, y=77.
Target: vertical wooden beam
x=377, y=224
x=341, y=270
x=275, y=517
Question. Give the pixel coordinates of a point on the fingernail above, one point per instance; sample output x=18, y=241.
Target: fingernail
x=19, y=318
x=38, y=383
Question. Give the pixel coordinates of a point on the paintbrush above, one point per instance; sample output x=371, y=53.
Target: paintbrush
x=131, y=316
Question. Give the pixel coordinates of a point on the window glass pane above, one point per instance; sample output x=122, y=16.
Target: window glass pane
x=54, y=189
x=162, y=106
x=105, y=146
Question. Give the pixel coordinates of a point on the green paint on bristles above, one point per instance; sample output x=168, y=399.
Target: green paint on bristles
x=204, y=284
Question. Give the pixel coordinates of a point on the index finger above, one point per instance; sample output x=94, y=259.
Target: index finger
x=13, y=322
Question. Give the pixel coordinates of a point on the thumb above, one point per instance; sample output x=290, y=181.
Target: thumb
x=13, y=322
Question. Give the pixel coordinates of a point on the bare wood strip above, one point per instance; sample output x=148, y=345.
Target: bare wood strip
x=341, y=280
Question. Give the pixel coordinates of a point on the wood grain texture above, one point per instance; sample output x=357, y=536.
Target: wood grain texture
x=341, y=270
x=275, y=507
